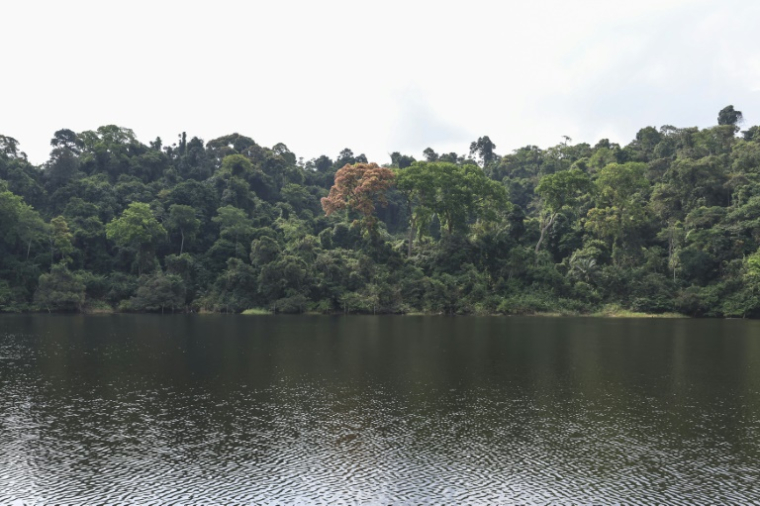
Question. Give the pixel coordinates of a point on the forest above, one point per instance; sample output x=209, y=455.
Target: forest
x=669, y=223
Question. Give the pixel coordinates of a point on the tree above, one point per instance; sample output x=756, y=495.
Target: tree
x=357, y=188
x=60, y=290
x=158, y=292
x=234, y=225
x=401, y=161
x=558, y=192
x=67, y=140
x=182, y=219
x=31, y=228
x=647, y=139
x=345, y=157
x=264, y=251
x=729, y=116
x=281, y=150
x=138, y=231
x=64, y=159
x=9, y=147
x=237, y=165
x=483, y=147
x=752, y=270
x=620, y=190
x=453, y=193
x=60, y=240
x=20, y=224
x=322, y=164
x=299, y=198
x=430, y=155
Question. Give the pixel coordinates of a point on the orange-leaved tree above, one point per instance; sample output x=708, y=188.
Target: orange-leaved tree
x=358, y=187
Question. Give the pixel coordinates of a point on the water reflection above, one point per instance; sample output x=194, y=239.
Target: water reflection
x=388, y=410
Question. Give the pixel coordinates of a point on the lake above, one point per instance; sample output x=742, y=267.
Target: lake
x=213, y=409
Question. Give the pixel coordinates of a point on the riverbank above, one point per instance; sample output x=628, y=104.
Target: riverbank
x=606, y=311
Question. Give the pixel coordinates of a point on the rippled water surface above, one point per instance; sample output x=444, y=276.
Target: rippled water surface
x=199, y=410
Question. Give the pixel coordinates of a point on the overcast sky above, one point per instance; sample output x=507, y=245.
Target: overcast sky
x=375, y=77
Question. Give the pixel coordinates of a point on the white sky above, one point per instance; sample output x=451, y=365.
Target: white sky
x=375, y=77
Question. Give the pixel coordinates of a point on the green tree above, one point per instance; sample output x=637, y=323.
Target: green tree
x=31, y=228
x=60, y=290
x=9, y=147
x=157, y=293
x=729, y=116
x=234, y=225
x=455, y=194
x=137, y=231
x=60, y=240
x=559, y=192
x=484, y=148
x=236, y=288
x=237, y=165
x=182, y=219
x=621, y=196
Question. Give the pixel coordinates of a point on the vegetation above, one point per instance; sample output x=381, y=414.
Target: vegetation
x=669, y=223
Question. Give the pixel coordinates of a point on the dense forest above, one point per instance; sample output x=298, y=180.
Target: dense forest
x=668, y=223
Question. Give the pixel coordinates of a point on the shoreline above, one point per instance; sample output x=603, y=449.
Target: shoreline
x=610, y=314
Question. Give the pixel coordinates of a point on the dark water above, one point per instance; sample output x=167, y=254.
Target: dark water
x=388, y=410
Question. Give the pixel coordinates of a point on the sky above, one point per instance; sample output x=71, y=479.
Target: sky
x=376, y=77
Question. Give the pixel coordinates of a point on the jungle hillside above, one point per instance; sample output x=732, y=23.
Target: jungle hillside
x=669, y=223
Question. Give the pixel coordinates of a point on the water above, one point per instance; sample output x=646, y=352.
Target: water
x=390, y=410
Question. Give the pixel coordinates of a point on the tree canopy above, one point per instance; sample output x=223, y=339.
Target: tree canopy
x=667, y=222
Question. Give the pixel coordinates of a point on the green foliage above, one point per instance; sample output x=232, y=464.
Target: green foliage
x=729, y=116
x=668, y=223
x=60, y=290
x=158, y=292
x=182, y=219
x=562, y=189
x=560, y=192
x=137, y=231
x=256, y=311
x=455, y=195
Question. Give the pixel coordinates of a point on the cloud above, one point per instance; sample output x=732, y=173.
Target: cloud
x=679, y=68
x=417, y=125
x=394, y=76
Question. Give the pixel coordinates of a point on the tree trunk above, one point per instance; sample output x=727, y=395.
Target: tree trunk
x=411, y=238
x=182, y=244
x=543, y=232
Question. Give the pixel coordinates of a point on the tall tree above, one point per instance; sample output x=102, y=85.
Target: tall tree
x=234, y=225
x=453, y=193
x=358, y=187
x=484, y=148
x=183, y=219
x=558, y=192
x=9, y=147
x=729, y=116
x=60, y=240
x=137, y=231
x=60, y=290
x=621, y=195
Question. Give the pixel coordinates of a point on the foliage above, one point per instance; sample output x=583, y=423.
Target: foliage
x=136, y=231
x=60, y=290
x=667, y=223
x=454, y=195
x=158, y=292
x=358, y=187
